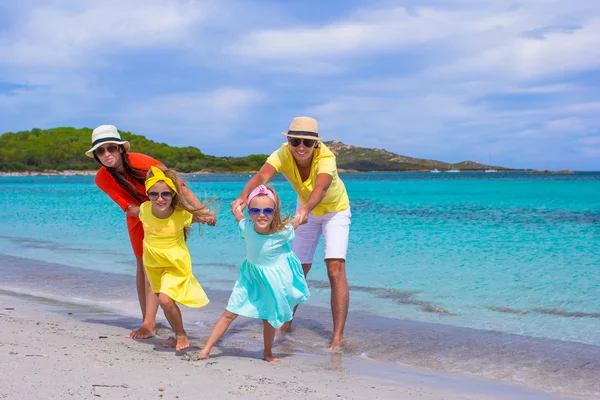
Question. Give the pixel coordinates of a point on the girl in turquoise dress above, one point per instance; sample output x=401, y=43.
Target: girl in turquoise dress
x=271, y=279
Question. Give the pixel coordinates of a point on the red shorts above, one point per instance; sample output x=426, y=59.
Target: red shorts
x=136, y=235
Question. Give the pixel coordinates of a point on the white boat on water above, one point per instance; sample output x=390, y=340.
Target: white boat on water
x=452, y=169
x=490, y=169
x=435, y=171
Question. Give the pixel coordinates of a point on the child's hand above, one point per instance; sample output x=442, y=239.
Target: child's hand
x=238, y=203
x=238, y=213
x=211, y=220
x=301, y=216
x=295, y=222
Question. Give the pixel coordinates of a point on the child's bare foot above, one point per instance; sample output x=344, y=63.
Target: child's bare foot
x=180, y=343
x=269, y=357
x=203, y=355
x=284, y=328
x=143, y=332
x=335, y=342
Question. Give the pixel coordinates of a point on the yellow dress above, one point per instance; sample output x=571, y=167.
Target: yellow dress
x=167, y=259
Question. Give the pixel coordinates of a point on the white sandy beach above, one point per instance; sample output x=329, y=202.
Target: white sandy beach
x=48, y=352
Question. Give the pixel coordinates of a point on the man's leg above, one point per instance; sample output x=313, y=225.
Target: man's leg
x=336, y=228
x=340, y=298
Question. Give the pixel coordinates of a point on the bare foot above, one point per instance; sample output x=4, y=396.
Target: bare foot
x=269, y=357
x=284, y=328
x=335, y=342
x=180, y=343
x=143, y=332
x=203, y=355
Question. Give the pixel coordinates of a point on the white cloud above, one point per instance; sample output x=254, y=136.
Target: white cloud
x=363, y=34
x=204, y=119
x=448, y=80
x=194, y=107
x=81, y=34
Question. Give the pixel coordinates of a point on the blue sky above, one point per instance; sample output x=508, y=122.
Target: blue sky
x=450, y=80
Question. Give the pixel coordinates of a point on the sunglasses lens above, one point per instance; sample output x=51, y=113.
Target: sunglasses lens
x=154, y=195
x=295, y=142
x=256, y=211
x=101, y=150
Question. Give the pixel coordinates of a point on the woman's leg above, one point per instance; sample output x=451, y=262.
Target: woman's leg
x=219, y=330
x=148, y=303
x=173, y=314
x=269, y=337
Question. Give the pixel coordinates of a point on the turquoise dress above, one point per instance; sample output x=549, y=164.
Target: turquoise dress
x=271, y=280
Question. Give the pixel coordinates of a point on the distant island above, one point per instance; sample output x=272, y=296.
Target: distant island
x=61, y=151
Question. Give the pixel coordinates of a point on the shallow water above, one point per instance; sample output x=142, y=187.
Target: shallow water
x=503, y=254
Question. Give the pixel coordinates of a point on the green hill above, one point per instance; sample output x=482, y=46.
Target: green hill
x=365, y=159
x=63, y=149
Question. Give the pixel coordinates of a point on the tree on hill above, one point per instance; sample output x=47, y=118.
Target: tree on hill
x=64, y=149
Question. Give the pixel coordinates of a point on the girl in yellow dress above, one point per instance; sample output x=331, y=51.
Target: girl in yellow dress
x=166, y=219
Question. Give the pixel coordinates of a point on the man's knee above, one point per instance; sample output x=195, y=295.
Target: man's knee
x=336, y=269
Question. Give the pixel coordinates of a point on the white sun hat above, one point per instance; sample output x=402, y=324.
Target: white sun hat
x=106, y=134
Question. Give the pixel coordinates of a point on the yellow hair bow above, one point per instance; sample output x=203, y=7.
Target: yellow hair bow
x=159, y=175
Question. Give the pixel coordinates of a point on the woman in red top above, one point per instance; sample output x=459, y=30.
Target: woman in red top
x=121, y=176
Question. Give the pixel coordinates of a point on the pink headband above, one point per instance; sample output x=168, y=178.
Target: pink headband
x=262, y=189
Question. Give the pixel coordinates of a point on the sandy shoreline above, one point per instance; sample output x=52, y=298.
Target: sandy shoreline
x=58, y=351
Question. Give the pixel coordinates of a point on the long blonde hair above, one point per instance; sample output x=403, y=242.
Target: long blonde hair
x=202, y=213
x=278, y=223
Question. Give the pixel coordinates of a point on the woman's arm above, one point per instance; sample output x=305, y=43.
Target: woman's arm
x=133, y=210
x=266, y=173
x=316, y=196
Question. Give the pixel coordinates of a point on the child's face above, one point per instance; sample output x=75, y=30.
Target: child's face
x=261, y=210
x=161, y=195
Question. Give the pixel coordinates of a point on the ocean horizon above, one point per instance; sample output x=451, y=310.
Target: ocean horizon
x=495, y=275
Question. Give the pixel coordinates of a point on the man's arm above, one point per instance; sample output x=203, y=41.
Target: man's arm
x=266, y=173
x=317, y=195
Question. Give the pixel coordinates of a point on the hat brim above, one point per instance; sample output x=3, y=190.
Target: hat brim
x=124, y=143
x=302, y=136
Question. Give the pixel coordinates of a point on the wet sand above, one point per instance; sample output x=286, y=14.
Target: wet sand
x=51, y=350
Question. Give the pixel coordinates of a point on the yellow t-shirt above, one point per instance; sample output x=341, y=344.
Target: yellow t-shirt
x=336, y=198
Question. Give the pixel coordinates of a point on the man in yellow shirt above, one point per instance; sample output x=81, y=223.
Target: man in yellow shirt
x=323, y=208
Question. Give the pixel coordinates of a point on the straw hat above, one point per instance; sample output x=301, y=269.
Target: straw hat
x=303, y=128
x=106, y=134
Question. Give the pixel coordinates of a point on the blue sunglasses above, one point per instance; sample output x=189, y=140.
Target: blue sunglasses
x=257, y=211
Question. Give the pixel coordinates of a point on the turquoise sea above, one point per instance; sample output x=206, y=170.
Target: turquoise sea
x=495, y=275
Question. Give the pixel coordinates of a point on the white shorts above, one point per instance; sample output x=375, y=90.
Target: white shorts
x=334, y=227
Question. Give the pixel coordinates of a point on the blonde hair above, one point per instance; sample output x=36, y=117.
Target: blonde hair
x=179, y=202
x=278, y=223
